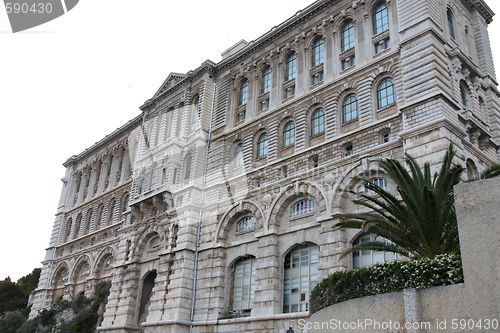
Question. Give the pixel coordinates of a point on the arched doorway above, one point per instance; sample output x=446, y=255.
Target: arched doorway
x=147, y=287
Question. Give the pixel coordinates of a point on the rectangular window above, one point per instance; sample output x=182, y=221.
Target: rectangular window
x=244, y=281
x=290, y=91
x=241, y=116
x=264, y=104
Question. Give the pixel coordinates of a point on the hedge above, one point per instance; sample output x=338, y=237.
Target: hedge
x=386, y=278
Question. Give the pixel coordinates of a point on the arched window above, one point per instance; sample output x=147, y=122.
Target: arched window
x=349, y=108
x=380, y=18
x=451, y=23
x=290, y=66
x=68, y=227
x=347, y=35
x=302, y=207
x=243, y=92
x=125, y=203
x=109, y=262
x=245, y=224
x=301, y=272
x=367, y=258
x=187, y=167
x=262, y=145
x=463, y=96
x=238, y=156
x=78, y=224
x=154, y=242
x=317, y=52
x=289, y=134
x=265, y=84
x=318, y=122
x=111, y=211
x=385, y=93
x=99, y=217
x=244, y=281
x=89, y=221
x=154, y=174
x=86, y=269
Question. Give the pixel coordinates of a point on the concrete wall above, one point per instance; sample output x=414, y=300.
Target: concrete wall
x=440, y=309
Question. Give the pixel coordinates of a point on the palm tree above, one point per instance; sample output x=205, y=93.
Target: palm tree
x=420, y=224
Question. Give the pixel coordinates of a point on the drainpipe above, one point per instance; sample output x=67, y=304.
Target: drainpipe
x=207, y=147
x=58, y=239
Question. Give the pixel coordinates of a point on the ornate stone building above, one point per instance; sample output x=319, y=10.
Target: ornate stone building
x=212, y=210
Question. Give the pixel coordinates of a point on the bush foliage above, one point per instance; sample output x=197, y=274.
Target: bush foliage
x=385, y=278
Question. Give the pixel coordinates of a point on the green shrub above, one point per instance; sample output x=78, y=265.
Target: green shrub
x=385, y=278
x=11, y=322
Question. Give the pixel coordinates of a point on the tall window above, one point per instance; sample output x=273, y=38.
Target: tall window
x=289, y=134
x=122, y=159
x=318, y=122
x=243, y=92
x=347, y=35
x=88, y=178
x=78, y=224
x=110, y=165
x=370, y=257
x=187, y=167
x=380, y=18
x=262, y=145
x=244, y=281
x=245, y=224
x=99, y=217
x=385, y=93
x=125, y=203
x=152, y=180
x=463, y=96
x=68, y=227
x=317, y=52
x=196, y=108
x=238, y=156
x=265, y=85
x=89, y=221
x=290, y=66
x=99, y=172
x=301, y=272
x=349, y=108
x=112, y=210
x=451, y=23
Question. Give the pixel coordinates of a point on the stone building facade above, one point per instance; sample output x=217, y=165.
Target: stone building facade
x=212, y=210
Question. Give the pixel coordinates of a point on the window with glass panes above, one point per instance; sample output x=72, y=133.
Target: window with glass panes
x=245, y=224
x=367, y=258
x=152, y=181
x=290, y=66
x=380, y=182
x=317, y=52
x=451, y=24
x=89, y=220
x=244, y=281
x=385, y=93
x=318, y=122
x=302, y=207
x=347, y=36
x=349, y=108
x=380, y=18
x=238, y=156
x=262, y=145
x=243, y=92
x=289, y=134
x=463, y=96
x=187, y=174
x=266, y=80
x=301, y=272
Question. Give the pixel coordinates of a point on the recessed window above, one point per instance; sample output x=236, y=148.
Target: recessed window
x=347, y=35
x=99, y=217
x=110, y=165
x=262, y=145
x=122, y=160
x=238, y=156
x=302, y=207
x=314, y=161
x=112, y=210
x=244, y=281
x=380, y=182
x=290, y=66
x=289, y=134
x=78, y=224
x=347, y=149
x=318, y=77
x=246, y=224
x=386, y=136
x=241, y=116
x=284, y=171
x=89, y=221
x=385, y=93
x=68, y=228
x=154, y=174
x=109, y=262
x=243, y=92
x=264, y=104
x=348, y=62
x=164, y=175
x=196, y=108
x=300, y=275
x=187, y=166
x=154, y=242
x=463, y=95
x=86, y=269
x=349, y=108
x=380, y=18
x=290, y=91
x=125, y=203
x=451, y=23
x=317, y=52
x=265, y=84
x=318, y=122
x=367, y=258
x=88, y=178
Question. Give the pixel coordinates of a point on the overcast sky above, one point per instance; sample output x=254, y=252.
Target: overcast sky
x=68, y=83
